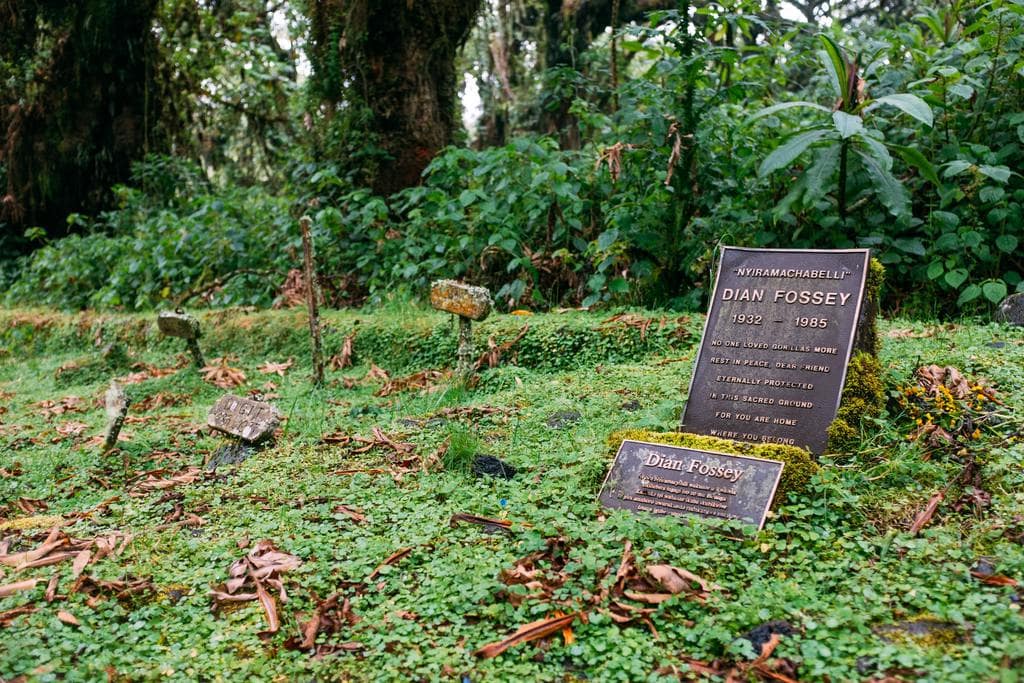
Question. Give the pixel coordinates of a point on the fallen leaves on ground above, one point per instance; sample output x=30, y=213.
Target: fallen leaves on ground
x=220, y=374
x=159, y=479
x=382, y=440
x=524, y=634
x=343, y=359
x=270, y=368
x=492, y=356
x=376, y=372
x=253, y=577
x=925, y=515
x=490, y=525
x=544, y=572
x=10, y=615
x=354, y=514
x=29, y=506
x=427, y=380
x=392, y=558
x=144, y=371
x=68, y=618
x=59, y=547
x=18, y=586
x=780, y=670
x=329, y=618
x=161, y=400
x=472, y=413
x=16, y=470
x=631, y=320
x=72, y=428
x=68, y=404
x=122, y=590
x=336, y=438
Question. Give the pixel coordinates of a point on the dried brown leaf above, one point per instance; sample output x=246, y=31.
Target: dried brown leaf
x=18, y=586
x=392, y=558
x=532, y=631
x=220, y=374
x=270, y=368
x=68, y=618
x=488, y=523
x=925, y=516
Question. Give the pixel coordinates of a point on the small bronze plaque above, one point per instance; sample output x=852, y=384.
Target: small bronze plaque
x=669, y=480
x=252, y=421
x=778, y=337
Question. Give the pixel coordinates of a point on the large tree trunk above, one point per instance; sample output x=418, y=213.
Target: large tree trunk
x=75, y=129
x=395, y=58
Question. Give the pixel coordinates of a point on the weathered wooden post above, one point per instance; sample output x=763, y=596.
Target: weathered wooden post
x=312, y=295
x=116, y=403
x=469, y=303
x=182, y=325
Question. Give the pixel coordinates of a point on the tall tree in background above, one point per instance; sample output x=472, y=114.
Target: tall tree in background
x=384, y=71
x=76, y=104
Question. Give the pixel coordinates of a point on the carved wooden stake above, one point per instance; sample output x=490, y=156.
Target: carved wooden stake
x=312, y=294
x=468, y=303
x=180, y=324
x=116, y=402
x=465, y=364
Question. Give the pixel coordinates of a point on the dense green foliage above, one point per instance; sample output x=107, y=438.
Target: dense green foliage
x=721, y=130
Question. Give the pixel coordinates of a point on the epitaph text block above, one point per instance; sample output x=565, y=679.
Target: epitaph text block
x=252, y=421
x=671, y=480
x=778, y=338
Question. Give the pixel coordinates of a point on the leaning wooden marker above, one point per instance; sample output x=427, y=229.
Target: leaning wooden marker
x=469, y=303
x=182, y=325
x=768, y=378
x=312, y=296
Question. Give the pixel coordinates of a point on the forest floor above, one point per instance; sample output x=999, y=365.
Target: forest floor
x=362, y=490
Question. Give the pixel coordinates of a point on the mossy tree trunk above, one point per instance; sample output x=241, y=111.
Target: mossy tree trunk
x=75, y=104
x=387, y=68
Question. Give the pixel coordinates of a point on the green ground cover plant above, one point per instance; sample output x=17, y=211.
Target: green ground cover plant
x=359, y=488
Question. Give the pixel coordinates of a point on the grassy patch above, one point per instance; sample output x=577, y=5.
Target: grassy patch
x=836, y=562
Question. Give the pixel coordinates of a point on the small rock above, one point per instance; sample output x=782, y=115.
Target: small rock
x=359, y=411
x=175, y=324
x=1011, y=310
x=923, y=631
x=117, y=408
x=563, y=418
x=251, y=421
x=461, y=299
x=492, y=467
x=759, y=635
x=996, y=345
x=631, y=406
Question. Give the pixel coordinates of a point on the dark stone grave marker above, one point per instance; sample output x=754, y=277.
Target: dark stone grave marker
x=671, y=480
x=776, y=345
x=251, y=421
